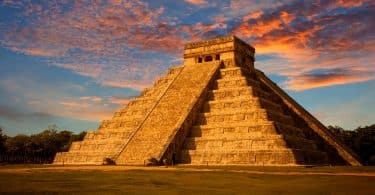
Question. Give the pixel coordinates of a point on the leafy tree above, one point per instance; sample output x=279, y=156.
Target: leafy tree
x=38, y=148
x=3, y=139
x=361, y=140
x=17, y=144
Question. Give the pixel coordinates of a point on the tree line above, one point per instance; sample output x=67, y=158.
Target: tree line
x=37, y=148
x=42, y=147
x=361, y=140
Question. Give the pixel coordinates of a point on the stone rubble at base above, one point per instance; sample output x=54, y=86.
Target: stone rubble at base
x=216, y=109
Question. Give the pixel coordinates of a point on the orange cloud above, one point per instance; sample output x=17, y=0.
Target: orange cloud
x=252, y=15
x=259, y=28
x=286, y=17
x=349, y=3
x=74, y=104
x=310, y=81
x=91, y=98
x=197, y=2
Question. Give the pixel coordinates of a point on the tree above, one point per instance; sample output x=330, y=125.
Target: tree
x=17, y=145
x=361, y=140
x=3, y=139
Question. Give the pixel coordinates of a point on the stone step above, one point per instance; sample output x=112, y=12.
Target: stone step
x=234, y=72
x=173, y=71
x=119, y=123
x=67, y=158
x=102, y=141
x=234, y=116
x=245, y=130
x=110, y=133
x=133, y=111
x=236, y=82
x=287, y=129
x=236, y=92
x=240, y=103
x=251, y=157
x=233, y=128
x=208, y=144
x=109, y=145
x=141, y=101
x=261, y=142
x=116, y=129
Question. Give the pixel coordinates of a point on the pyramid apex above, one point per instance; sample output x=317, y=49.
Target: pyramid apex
x=220, y=48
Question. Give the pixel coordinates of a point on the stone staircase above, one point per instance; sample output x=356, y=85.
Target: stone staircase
x=151, y=140
x=242, y=122
x=113, y=134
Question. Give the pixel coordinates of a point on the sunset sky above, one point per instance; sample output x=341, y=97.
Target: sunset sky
x=73, y=63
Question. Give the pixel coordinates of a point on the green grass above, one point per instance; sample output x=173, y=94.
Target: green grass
x=182, y=181
x=327, y=169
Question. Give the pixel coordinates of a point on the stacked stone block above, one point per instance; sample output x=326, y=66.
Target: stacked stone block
x=241, y=123
x=151, y=138
x=112, y=135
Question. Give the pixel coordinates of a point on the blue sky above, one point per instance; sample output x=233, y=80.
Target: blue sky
x=73, y=63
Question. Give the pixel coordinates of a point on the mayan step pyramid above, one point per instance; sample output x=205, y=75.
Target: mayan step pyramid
x=216, y=109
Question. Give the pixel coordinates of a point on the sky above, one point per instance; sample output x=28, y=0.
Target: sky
x=73, y=63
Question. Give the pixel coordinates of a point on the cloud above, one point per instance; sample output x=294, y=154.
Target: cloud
x=197, y=2
x=135, y=76
x=73, y=104
x=304, y=37
x=91, y=98
x=327, y=78
x=128, y=44
x=351, y=3
x=14, y=114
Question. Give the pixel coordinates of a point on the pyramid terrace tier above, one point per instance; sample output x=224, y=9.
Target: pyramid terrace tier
x=234, y=72
x=236, y=82
x=225, y=93
x=118, y=123
x=245, y=129
x=269, y=142
x=88, y=145
x=108, y=134
x=253, y=157
x=254, y=116
x=71, y=158
x=241, y=103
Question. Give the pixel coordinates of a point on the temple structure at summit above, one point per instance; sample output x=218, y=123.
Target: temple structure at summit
x=215, y=109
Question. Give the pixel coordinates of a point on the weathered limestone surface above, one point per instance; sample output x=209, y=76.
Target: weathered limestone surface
x=217, y=109
x=241, y=123
x=113, y=134
x=165, y=119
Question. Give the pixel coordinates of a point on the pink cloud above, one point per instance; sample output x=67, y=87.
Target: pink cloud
x=311, y=45
x=74, y=104
x=196, y=2
x=310, y=81
x=91, y=98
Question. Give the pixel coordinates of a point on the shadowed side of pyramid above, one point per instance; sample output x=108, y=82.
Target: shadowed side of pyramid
x=215, y=109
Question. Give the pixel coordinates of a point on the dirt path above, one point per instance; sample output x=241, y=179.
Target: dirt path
x=26, y=170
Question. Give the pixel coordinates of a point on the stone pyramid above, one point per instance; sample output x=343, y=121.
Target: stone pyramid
x=216, y=109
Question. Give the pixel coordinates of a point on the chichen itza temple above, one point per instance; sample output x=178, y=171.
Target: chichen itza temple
x=215, y=109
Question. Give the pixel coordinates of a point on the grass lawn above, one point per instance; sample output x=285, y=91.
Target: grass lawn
x=182, y=180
